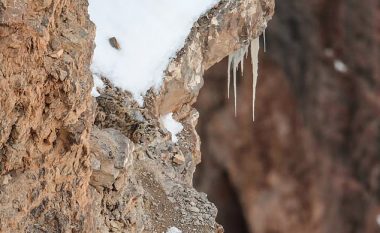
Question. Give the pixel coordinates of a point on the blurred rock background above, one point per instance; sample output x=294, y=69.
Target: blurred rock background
x=311, y=161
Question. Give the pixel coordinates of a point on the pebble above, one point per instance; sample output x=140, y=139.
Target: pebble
x=114, y=43
x=179, y=159
x=194, y=209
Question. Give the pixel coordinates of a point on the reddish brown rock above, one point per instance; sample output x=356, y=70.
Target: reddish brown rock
x=46, y=115
x=310, y=162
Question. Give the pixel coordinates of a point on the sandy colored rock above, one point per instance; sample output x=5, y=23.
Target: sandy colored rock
x=179, y=159
x=58, y=173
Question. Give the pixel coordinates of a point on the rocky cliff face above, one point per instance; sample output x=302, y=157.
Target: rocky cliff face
x=46, y=115
x=310, y=162
x=72, y=164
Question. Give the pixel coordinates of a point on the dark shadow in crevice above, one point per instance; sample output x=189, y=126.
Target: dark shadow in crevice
x=210, y=177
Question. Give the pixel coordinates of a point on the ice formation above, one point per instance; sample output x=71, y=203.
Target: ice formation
x=237, y=58
x=255, y=45
x=234, y=60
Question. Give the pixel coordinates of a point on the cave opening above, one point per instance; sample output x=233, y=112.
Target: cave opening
x=246, y=166
x=211, y=175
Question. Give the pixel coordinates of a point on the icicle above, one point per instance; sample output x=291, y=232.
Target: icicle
x=242, y=66
x=265, y=42
x=235, y=91
x=243, y=53
x=255, y=45
x=229, y=76
x=233, y=63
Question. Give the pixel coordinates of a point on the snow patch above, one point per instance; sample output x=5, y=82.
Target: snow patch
x=340, y=66
x=147, y=34
x=98, y=83
x=173, y=126
x=173, y=230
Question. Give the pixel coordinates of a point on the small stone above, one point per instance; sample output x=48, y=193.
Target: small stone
x=141, y=156
x=194, y=209
x=114, y=43
x=119, y=184
x=55, y=44
x=164, y=156
x=57, y=54
x=95, y=164
x=179, y=159
x=62, y=75
x=6, y=180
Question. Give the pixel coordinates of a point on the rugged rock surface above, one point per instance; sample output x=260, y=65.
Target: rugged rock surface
x=310, y=162
x=161, y=177
x=46, y=115
x=58, y=172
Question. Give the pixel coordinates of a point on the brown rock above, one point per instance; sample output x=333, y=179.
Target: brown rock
x=179, y=159
x=111, y=154
x=114, y=43
x=44, y=122
x=57, y=54
x=310, y=162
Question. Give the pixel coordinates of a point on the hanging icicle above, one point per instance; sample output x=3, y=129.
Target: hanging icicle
x=237, y=58
x=234, y=60
x=255, y=45
x=265, y=41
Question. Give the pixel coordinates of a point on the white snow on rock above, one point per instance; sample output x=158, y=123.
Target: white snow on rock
x=340, y=66
x=173, y=126
x=173, y=230
x=149, y=33
x=98, y=83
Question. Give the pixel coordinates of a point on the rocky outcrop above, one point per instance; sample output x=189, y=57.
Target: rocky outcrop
x=310, y=162
x=46, y=115
x=58, y=172
x=160, y=179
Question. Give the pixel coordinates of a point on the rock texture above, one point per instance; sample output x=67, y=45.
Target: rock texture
x=310, y=162
x=46, y=115
x=59, y=172
x=160, y=179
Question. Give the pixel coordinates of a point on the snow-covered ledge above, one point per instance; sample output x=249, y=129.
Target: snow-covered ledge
x=224, y=29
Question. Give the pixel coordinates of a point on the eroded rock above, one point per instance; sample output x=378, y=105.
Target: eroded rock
x=111, y=154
